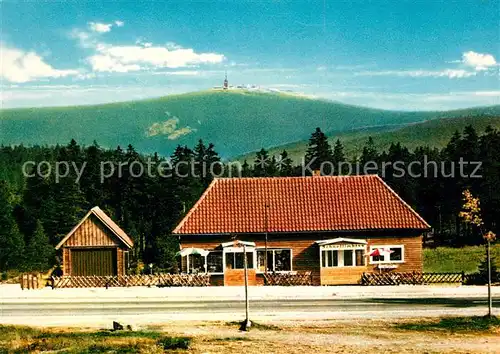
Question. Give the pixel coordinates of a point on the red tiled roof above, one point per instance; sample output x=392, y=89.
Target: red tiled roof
x=238, y=205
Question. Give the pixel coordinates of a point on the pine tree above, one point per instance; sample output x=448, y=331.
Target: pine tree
x=246, y=171
x=285, y=165
x=65, y=204
x=369, y=152
x=90, y=182
x=483, y=270
x=489, y=193
x=339, y=166
x=319, y=151
x=11, y=240
x=39, y=251
x=261, y=163
x=206, y=163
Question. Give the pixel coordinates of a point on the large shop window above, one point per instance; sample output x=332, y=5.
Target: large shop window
x=235, y=260
x=388, y=254
x=214, y=262
x=342, y=258
x=278, y=260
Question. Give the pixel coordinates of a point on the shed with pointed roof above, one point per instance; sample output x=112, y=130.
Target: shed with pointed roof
x=95, y=246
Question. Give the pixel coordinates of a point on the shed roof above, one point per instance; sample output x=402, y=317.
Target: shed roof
x=107, y=221
x=298, y=204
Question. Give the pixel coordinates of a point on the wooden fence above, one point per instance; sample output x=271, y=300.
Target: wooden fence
x=412, y=278
x=160, y=280
x=288, y=279
x=31, y=281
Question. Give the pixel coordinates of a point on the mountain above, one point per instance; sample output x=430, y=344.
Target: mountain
x=433, y=133
x=236, y=121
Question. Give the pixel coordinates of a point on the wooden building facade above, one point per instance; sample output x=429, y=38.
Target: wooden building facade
x=337, y=228
x=95, y=246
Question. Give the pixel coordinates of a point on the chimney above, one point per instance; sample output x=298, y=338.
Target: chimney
x=316, y=173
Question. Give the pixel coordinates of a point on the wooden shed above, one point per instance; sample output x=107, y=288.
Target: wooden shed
x=95, y=246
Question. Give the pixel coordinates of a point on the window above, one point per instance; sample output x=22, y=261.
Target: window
x=261, y=260
x=360, y=258
x=342, y=258
x=278, y=260
x=397, y=254
x=196, y=263
x=330, y=258
x=214, y=262
x=126, y=259
x=235, y=260
x=348, y=258
x=388, y=254
x=282, y=260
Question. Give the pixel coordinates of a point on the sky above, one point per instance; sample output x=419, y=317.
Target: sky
x=403, y=55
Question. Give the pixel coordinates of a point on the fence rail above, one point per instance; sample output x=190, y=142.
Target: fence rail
x=160, y=280
x=288, y=279
x=412, y=278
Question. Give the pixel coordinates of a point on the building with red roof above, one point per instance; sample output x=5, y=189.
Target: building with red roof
x=327, y=225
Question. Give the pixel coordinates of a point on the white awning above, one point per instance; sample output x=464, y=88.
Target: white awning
x=187, y=251
x=341, y=239
x=237, y=243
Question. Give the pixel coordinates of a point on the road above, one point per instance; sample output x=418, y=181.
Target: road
x=91, y=313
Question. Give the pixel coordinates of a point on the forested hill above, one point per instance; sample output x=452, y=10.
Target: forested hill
x=237, y=121
x=433, y=133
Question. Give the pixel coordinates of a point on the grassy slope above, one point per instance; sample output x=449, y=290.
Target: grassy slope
x=467, y=259
x=236, y=121
x=434, y=133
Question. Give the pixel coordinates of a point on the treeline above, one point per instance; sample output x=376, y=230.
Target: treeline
x=37, y=211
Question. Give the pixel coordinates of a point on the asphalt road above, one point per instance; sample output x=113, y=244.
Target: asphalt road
x=76, y=313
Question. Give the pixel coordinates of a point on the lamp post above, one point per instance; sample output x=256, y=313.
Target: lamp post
x=247, y=323
x=489, y=237
x=266, y=226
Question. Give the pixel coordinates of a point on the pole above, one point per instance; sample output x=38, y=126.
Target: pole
x=490, y=300
x=247, y=320
x=265, y=242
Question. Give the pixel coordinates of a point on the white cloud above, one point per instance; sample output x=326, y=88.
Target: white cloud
x=140, y=56
x=100, y=27
x=449, y=73
x=179, y=73
x=111, y=58
x=472, y=63
x=478, y=61
x=105, y=63
x=19, y=66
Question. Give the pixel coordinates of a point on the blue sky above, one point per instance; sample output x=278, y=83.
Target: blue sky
x=409, y=55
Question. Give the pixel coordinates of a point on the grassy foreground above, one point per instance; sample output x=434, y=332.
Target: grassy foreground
x=466, y=259
x=445, y=335
x=15, y=339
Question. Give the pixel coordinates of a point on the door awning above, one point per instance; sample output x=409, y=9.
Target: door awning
x=238, y=243
x=341, y=240
x=187, y=251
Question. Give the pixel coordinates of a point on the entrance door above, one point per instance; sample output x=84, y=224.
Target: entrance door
x=87, y=262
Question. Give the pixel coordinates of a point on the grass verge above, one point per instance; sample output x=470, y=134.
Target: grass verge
x=17, y=339
x=448, y=259
x=455, y=324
